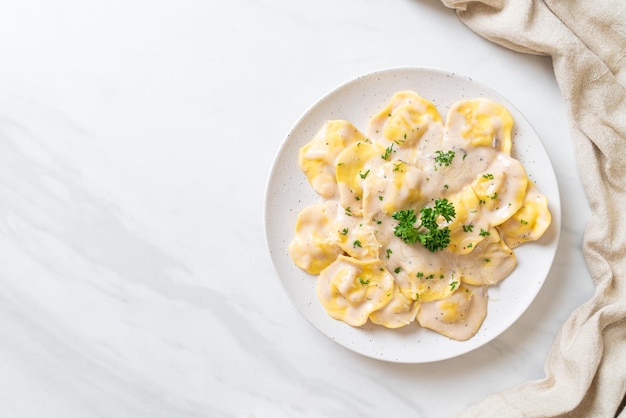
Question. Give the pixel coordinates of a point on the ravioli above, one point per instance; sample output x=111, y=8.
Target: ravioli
x=409, y=162
x=317, y=158
x=315, y=245
x=457, y=316
x=351, y=289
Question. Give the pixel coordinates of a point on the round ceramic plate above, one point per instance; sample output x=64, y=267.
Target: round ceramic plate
x=288, y=192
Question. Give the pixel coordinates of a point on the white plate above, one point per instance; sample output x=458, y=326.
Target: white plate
x=288, y=192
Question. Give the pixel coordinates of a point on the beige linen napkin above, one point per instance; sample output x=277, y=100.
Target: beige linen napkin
x=586, y=366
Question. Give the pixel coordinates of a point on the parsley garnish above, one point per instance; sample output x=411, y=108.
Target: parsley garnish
x=484, y=233
x=364, y=282
x=444, y=158
x=363, y=175
x=387, y=153
x=427, y=232
x=357, y=243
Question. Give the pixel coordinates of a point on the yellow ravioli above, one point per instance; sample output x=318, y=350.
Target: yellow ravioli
x=357, y=238
x=407, y=123
x=354, y=165
x=351, y=289
x=465, y=227
x=490, y=262
x=482, y=123
x=398, y=313
x=459, y=315
x=530, y=222
x=317, y=158
x=395, y=186
x=501, y=189
x=315, y=245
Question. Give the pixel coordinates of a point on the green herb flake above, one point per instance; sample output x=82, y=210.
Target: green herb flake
x=387, y=153
x=444, y=158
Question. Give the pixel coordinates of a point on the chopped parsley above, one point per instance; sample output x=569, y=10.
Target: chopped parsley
x=387, y=153
x=444, y=158
x=428, y=232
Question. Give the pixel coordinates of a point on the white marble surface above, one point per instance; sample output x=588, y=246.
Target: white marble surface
x=136, y=138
